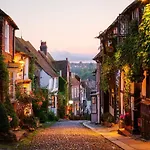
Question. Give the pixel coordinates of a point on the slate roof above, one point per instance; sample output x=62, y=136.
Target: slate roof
x=61, y=65
x=12, y=23
x=39, y=59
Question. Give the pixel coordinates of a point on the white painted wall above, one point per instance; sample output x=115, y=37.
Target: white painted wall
x=55, y=84
x=45, y=80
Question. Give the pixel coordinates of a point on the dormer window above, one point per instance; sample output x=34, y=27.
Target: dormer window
x=135, y=14
x=6, y=37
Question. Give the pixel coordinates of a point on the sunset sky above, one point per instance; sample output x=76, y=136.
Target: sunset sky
x=66, y=25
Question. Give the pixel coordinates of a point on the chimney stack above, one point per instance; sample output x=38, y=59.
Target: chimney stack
x=43, y=47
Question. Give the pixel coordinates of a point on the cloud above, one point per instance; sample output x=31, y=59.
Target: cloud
x=61, y=55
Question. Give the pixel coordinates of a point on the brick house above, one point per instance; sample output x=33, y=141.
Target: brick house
x=75, y=94
x=63, y=68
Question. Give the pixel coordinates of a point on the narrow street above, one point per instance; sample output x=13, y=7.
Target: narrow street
x=70, y=135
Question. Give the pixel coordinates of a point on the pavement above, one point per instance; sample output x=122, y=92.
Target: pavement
x=126, y=143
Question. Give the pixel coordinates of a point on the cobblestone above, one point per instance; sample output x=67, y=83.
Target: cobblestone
x=70, y=135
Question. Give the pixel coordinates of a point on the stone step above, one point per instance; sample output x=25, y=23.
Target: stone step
x=124, y=132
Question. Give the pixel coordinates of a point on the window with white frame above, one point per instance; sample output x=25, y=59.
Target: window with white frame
x=6, y=37
x=75, y=92
x=72, y=93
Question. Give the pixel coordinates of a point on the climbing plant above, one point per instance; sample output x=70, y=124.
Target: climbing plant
x=31, y=71
x=62, y=97
x=132, y=55
x=4, y=79
x=144, y=33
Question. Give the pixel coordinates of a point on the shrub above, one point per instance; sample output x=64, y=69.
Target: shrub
x=43, y=116
x=30, y=122
x=52, y=117
x=11, y=112
x=4, y=123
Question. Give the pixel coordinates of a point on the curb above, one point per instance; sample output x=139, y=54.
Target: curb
x=116, y=142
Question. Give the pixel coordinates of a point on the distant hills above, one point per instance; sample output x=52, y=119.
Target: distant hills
x=72, y=57
x=84, y=70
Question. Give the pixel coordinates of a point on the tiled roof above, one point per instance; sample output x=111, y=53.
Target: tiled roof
x=127, y=9
x=39, y=59
x=97, y=57
x=2, y=13
x=74, y=82
x=61, y=65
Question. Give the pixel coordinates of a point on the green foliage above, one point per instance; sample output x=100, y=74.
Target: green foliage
x=4, y=124
x=30, y=122
x=52, y=117
x=144, y=30
x=31, y=71
x=108, y=69
x=84, y=70
x=61, y=111
x=40, y=104
x=3, y=70
x=63, y=97
x=4, y=78
x=11, y=112
x=43, y=116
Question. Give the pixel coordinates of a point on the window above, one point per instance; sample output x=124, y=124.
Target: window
x=75, y=92
x=72, y=93
x=6, y=37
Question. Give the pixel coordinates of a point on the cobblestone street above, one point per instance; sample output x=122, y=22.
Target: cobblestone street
x=70, y=135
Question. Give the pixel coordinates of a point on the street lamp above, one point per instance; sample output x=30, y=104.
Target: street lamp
x=70, y=102
x=70, y=106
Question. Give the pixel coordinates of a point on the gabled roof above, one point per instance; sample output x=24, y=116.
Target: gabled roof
x=74, y=82
x=2, y=13
x=19, y=47
x=133, y=5
x=39, y=59
x=61, y=65
x=48, y=58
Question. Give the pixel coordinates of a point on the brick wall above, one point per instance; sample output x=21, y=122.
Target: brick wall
x=1, y=34
x=8, y=56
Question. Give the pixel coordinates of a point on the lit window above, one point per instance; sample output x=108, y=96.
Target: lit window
x=6, y=37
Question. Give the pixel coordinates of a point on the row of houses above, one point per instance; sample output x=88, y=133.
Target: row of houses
x=32, y=69
x=113, y=98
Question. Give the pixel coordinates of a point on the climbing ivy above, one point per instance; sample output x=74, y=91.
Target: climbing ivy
x=62, y=97
x=144, y=33
x=31, y=71
x=132, y=55
x=4, y=79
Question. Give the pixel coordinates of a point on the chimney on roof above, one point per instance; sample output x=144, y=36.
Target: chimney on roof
x=43, y=47
x=67, y=59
